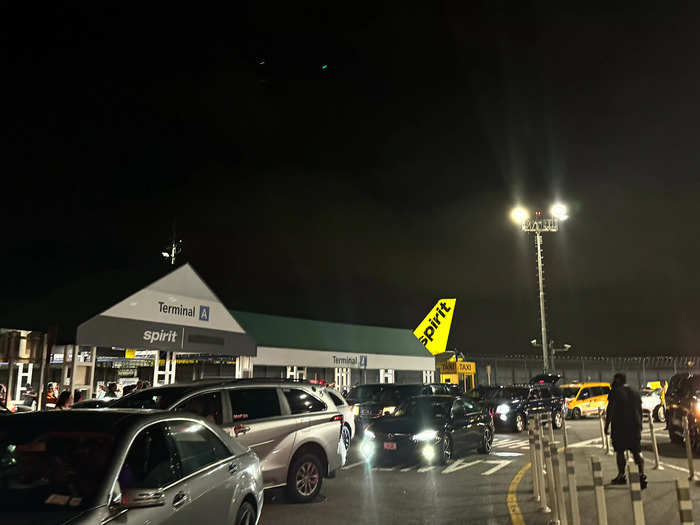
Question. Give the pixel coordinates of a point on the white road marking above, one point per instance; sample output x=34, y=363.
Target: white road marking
x=406, y=469
x=387, y=469
x=426, y=469
x=352, y=465
x=459, y=465
x=499, y=465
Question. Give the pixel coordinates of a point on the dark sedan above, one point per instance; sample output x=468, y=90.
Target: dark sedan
x=429, y=428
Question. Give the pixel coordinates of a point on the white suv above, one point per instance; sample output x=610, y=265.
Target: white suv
x=293, y=427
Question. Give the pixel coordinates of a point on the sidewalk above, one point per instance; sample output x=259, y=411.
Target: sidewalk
x=659, y=499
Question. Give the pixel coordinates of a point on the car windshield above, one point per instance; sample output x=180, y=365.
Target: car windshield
x=425, y=408
x=509, y=393
x=398, y=394
x=569, y=391
x=159, y=398
x=51, y=468
x=362, y=393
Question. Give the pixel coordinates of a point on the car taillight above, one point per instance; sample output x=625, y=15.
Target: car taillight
x=338, y=417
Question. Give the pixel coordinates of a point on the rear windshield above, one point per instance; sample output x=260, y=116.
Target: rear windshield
x=569, y=391
x=361, y=393
x=160, y=398
x=51, y=468
x=425, y=408
x=398, y=394
x=509, y=392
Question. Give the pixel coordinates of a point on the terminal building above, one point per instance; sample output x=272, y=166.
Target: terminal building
x=176, y=329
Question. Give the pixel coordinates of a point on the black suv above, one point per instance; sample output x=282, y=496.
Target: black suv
x=683, y=400
x=512, y=404
x=373, y=401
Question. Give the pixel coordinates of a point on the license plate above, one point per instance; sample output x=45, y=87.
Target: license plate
x=388, y=445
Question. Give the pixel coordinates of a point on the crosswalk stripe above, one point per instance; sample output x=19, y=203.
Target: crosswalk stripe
x=352, y=465
x=426, y=469
x=406, y=469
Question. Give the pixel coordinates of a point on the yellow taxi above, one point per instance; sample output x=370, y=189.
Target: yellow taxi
x=584, y=399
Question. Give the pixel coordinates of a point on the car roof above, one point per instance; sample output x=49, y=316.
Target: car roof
x=111, y=420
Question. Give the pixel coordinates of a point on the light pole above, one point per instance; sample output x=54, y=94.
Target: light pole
x=539, y=225
x=553, y=350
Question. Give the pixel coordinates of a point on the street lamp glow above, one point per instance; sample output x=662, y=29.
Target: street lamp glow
x=519, y=215
x=560, y=211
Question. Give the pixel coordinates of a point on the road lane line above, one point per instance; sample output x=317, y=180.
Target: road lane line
x=387, y=469
x=353, y=465
x=406, y=469
x=499, y=466
x=459, y=465
x=516, y=517
x=426, y=469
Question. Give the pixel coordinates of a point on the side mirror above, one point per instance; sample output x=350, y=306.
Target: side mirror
x=139, y=498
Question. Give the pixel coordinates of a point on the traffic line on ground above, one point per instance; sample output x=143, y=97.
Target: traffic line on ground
x=499, y=465
x=516, y=517
x=426, y=468
x=353, y=465
x=459, y=465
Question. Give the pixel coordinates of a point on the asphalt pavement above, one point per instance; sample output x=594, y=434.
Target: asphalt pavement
x=484, y=489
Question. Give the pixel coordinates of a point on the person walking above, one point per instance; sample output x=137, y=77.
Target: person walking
x=624, y=414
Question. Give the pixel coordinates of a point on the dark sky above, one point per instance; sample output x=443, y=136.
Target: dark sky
x=365, y=191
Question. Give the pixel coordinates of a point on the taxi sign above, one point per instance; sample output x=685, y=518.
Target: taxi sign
x=466, y=367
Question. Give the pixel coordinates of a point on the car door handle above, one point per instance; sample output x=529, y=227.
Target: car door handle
x=233, y=468
x=179, y=499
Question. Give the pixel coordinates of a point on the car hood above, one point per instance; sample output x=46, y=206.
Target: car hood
x=39, y=517
x=402, y=425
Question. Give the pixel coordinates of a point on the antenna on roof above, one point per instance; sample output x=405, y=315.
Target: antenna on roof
x=173, y=249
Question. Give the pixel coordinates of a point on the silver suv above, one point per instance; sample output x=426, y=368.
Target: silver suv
x=293, y=427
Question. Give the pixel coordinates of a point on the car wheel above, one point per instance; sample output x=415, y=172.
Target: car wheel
x=446, y=451
x=557, y=419
x=486, y=441
x=246, y=514
x=659, y=414
x=519, y=423
x=576, y=414
x=304, y=480
x=345, y=436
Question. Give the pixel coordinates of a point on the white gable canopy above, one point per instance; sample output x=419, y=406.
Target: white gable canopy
x=176, y=313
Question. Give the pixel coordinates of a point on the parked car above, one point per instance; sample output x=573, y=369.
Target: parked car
x=652, y=404
x=373, y=401
x=347, y=433
x=683, y=402
x=512, y=405
x=585, y=399
x=431, y=428
x=294, y=427
x=130, y=467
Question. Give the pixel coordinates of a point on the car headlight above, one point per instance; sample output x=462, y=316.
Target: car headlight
x=426, y=435
x=503, y=409
x=390, y=410
x=369, y=434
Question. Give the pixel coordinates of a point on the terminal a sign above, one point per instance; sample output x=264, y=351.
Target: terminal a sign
x=349, y=361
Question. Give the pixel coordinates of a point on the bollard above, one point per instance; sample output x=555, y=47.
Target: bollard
x=540, y=468
x=561, y=502
x=636, y=494
x=685, y=504
x=552, y=495
x=657, y=463
x=563, y=431
x=602, y=427
x=599, y=491
x=533, y=459
x=573, y=490
x=688, y=448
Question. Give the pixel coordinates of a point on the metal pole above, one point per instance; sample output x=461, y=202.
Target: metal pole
x=540, y=466
x=657, y=464
x=543, y=321
x=685, y=504
x=688, y=447
x=573, y=489
x=41, y=400
x=636, y=495
x=552, y=495
x=533, y=458
x=599, y=491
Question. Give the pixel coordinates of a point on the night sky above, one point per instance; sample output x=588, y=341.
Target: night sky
x=365, y=191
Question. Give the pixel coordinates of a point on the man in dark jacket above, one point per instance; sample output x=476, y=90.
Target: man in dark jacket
x=624, y=412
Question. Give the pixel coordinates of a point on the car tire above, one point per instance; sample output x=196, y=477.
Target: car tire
x=557, y=417
x=576, y=413
x=486, y=441
x=246, y=514
x=345, y=435
x=518, y=423
x=305, y=478
x=659, y=414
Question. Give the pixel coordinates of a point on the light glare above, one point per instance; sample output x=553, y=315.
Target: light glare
x=519, y=214
x=560, y=211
